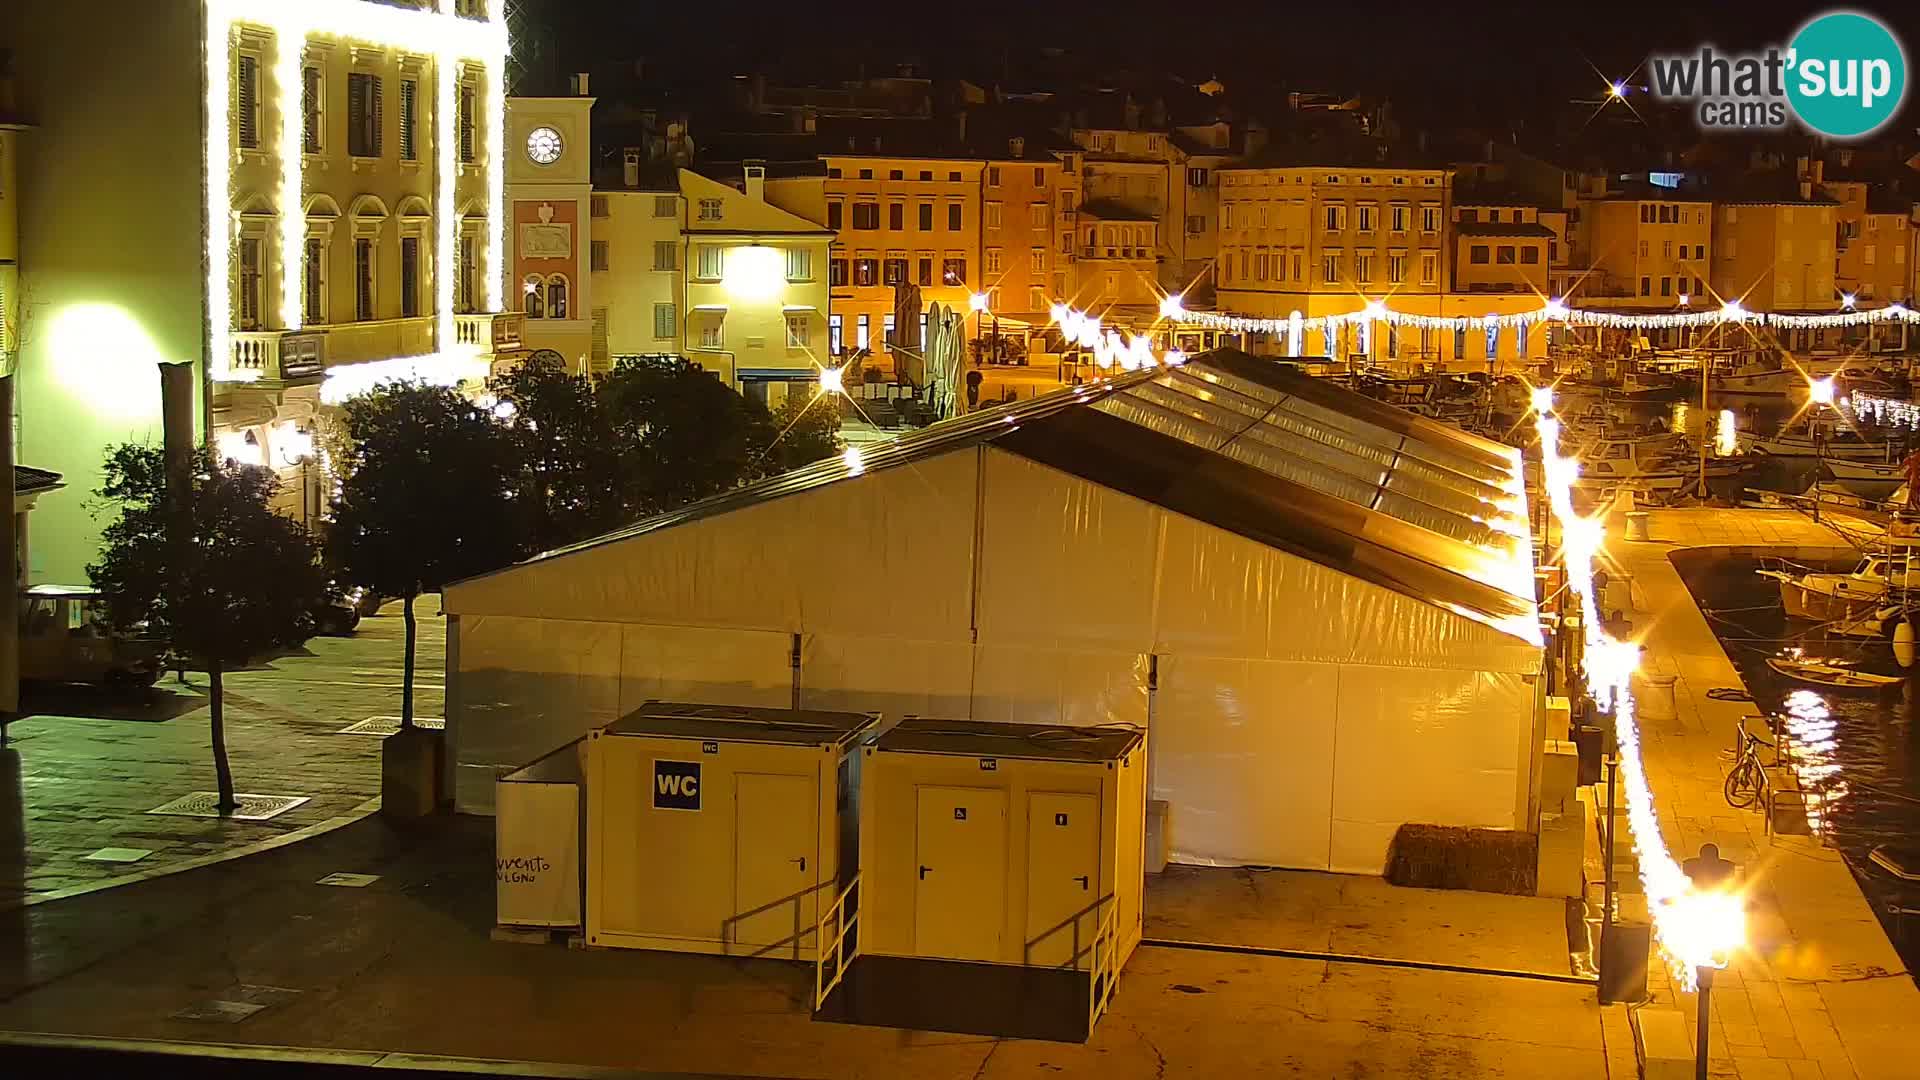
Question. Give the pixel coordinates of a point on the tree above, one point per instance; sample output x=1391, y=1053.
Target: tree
x=683, y=433
x=803, y=430
x=427, y=496
x=569, y=459
x=245, y=582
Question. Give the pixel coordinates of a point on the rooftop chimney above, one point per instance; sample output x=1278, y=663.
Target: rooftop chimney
x=630, y=167
x=1016, y=147
x=580, y=85
x=756, y=186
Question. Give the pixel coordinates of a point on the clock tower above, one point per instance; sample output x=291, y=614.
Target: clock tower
x=549, y=150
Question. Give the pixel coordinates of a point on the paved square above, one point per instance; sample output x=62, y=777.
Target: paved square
x=84, y=768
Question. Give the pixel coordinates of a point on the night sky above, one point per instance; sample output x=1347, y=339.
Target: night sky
x=1483, y=62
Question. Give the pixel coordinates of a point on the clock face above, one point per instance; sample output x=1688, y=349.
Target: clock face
x=543, y=145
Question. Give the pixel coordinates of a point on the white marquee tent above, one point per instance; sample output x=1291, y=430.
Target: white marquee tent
x=1320, y=607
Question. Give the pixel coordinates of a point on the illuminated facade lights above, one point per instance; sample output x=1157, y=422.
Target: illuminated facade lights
x=1695, y=928
x=446, y=38
x=1551, y=311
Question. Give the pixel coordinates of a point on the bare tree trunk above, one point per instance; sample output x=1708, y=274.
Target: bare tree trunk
x=406, y=679
x=223, y=773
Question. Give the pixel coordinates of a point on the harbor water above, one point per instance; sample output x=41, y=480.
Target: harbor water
x=1872, y=764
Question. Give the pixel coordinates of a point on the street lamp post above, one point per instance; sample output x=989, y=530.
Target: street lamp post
x=977, y=303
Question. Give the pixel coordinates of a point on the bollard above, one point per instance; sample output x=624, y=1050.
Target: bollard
x=1637, y=526
x=1653, y=694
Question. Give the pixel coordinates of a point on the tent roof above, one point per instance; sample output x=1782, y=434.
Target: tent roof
x=1257, y=448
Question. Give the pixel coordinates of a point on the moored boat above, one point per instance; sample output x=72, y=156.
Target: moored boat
x=1830, y=676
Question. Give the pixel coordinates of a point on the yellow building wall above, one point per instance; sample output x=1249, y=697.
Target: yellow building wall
x=1873, y=263
x=755, y=295
x=1032, y=270
x=1283, y=213
x=635, y=281
x=1776, y=257
x=1494, y=275
x=97, y=313
x=1617, y=238
x=952, y=182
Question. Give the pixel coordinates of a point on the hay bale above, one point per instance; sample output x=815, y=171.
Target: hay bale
x=1451, y=857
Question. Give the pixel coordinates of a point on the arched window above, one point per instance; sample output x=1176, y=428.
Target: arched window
x=557, y=296
x=535, y=301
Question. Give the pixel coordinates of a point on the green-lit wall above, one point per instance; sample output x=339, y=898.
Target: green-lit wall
x=111, y=261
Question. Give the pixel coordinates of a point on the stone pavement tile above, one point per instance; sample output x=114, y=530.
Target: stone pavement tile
x=1761, y=1068
x=84, y=782
x=1744, y=1037
x=1807, y=1070
x=1782, y=1044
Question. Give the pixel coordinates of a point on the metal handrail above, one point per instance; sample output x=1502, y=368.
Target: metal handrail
x=1101, y=973
x=843, y=921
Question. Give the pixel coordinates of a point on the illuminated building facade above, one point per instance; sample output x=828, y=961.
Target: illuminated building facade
x=1332, y=239
x=297, y=199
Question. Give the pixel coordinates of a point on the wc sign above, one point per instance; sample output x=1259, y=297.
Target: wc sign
x=676, y=785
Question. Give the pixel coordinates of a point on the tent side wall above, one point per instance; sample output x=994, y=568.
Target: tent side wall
x=1301, y=715
x=542, y=652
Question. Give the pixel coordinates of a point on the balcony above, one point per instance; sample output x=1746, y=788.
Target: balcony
x=279, y=355
x=1104, y=252
x=377, y=339
x=494, y=333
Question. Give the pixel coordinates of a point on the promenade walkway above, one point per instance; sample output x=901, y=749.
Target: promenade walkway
x=1821, y=992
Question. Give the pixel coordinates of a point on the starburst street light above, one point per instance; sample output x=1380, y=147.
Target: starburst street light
x=1616, y=90
x=832, y=381
x=1820, y=391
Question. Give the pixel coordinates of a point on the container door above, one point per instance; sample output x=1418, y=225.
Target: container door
x=775, y=863
x=1063, y=878
x=960, y=895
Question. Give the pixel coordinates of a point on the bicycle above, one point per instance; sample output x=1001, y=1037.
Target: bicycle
x=1748, y=777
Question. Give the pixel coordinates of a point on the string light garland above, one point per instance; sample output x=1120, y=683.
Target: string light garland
x=445, y=37
x=1695, y=928
x=1882, y=410
x=1109, y=349
x=1294, y=324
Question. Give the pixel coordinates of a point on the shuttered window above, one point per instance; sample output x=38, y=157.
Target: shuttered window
x=466, y=123
x=246, y=103
x=409, y=276
x=409, y=120
x=364, y=109
x=363, y=280
x=310, y=98
x=316, y=282
x=602, y=356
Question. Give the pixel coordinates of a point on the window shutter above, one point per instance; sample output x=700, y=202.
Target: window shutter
x=356, y=115
x=601, y=354
x=310, y=110
x=466, y=123
x=247, y=101
x=409, y=110
x=378, y=117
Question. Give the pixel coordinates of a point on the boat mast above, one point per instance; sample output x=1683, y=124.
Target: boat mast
x=1706, y=380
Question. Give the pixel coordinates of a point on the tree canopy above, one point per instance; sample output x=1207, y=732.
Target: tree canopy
x=245, y=583
x=429, y=491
